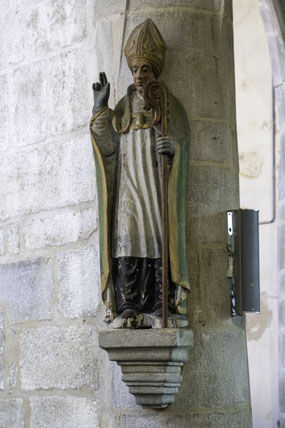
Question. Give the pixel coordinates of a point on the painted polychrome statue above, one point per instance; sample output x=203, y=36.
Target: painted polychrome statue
x=129, y=147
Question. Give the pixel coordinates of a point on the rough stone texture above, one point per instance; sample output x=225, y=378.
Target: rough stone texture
x=207, y=189
x=79, y=287
x=119, y=6
x=122, y=399
x=27, y=288
x=69, y=98
x=210, y=141
x=13, y=238
x=11, y=34
x=1, y=242
x=204, y=384
x=59, y=357
x=127, y=338
x=214, y=287
x=200, y=232
x=28, y=107
x=113, y=422
x=209, y=420
x=12, y=375
x=53, y=25
x=59, y=228
x=47, y=177
x=11, y=413
x=4, y=113
x=67, y=412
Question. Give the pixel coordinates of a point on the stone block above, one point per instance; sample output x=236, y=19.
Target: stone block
x=12, y=413
x=2, y=251
x=210, y=228
x=70, y=107
x=209, y=300
x=57, y=412
x=236, y=419
x=120, y=7
x=12, y=375
x=79, y=282
x=13, y=238
x=47, y=177
x=54, y=25
x=59, y=357
x=211, y=191
x=59, y=228
x=27, y=288
x=11, y=34
x=4, y=113
x=89, y=221
x=210, y=141
x=212, y=377
x=28, y=104
x=215, y=289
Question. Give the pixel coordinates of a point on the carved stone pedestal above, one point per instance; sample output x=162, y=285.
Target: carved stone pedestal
x=151, y=361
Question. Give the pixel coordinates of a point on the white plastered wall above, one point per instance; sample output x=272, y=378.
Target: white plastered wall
x=256, y=148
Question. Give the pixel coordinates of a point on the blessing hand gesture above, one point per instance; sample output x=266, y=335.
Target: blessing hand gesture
x=101, y=93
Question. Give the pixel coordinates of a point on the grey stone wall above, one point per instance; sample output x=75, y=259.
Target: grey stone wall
x=52, y=372
x=273, y=14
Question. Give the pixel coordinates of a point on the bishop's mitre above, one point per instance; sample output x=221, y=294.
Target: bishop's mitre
x=146, y=44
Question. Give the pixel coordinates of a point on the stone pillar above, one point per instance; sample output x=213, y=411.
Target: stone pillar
x=52, y=371
x=199, y=70
x=273, y=14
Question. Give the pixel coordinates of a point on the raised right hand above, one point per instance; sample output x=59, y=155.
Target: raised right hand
x=101, y=93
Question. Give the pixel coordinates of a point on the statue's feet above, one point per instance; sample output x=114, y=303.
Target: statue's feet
x=129, y=313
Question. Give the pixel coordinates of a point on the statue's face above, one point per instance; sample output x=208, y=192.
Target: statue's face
x=142, y=73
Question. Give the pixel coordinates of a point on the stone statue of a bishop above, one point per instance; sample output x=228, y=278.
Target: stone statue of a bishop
x=128, y=149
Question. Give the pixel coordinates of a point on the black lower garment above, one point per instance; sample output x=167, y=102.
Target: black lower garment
x=138, y=284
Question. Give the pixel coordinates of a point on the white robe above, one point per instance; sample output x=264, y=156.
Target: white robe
x=136, y=231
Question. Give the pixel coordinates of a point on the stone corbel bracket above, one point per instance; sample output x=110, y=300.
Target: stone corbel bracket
x=151, y=361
